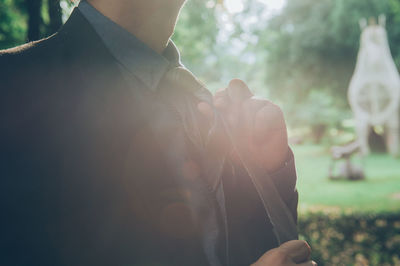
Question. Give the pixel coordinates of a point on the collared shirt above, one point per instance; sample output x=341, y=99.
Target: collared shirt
x=134, y=57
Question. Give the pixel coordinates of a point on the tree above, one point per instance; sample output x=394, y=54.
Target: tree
x=196, y=35
x=311, y=49
x=12, y=26
x=34, y=19
x=22, y=20
x=313, y=45
x=55, y=15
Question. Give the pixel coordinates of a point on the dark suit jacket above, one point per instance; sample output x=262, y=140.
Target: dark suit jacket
x=85, y=180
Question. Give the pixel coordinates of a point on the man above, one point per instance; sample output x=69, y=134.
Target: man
x=113, y=154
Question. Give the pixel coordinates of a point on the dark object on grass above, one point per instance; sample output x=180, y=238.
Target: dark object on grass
x=341, y=166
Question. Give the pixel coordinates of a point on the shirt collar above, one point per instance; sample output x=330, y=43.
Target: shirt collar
x=139, y=59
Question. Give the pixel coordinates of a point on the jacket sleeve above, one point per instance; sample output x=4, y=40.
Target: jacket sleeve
x=239, y=184
x=285, y=181
x=250, y=230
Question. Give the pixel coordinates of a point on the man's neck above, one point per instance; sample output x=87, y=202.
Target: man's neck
x=151, y=21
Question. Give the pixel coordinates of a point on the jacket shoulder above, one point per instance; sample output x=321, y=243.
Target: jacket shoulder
x=19, y=49
x=27, y=55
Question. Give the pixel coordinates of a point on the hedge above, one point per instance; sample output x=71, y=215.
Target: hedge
x=356, y=239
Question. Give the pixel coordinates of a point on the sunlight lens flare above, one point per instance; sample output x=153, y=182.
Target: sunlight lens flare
x=234, y=6
x=274, y=5
x=237, y=6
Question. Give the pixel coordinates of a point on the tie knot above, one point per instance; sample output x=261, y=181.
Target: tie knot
x=184, y=78
x=185, y=81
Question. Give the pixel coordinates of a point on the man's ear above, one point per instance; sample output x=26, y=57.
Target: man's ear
x=382, y=20
x=363, y=23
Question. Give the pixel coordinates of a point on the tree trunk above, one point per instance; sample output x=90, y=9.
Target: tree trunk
x=55, y=15
x=34, y=19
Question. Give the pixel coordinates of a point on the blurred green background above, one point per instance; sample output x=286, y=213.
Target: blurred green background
x=301, y=54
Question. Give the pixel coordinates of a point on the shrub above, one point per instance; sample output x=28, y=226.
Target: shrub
x=356, y=239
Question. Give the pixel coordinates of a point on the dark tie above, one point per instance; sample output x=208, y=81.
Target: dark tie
x=220, y=140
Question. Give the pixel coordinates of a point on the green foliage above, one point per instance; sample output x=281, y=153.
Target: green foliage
x=313, y=44
x=311, y=49
x=12, y=24
x=14, y=20
x=393, y=29
x=196, y=35
x=218, y=46
x=352, y=239
x=319, y=111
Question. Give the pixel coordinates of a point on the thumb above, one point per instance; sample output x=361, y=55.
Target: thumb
x=298, y=250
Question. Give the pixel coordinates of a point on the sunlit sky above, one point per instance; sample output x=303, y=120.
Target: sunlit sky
x=235, y=6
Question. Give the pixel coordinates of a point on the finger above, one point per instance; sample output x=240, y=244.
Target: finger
x=238, y=91
x=268, y=119
x=308, y=263
x=298, y=250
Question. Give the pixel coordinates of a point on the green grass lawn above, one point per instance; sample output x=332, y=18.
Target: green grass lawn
x=380, y=192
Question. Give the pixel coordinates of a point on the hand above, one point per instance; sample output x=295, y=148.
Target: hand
x=291, y=253
x=257, y=122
